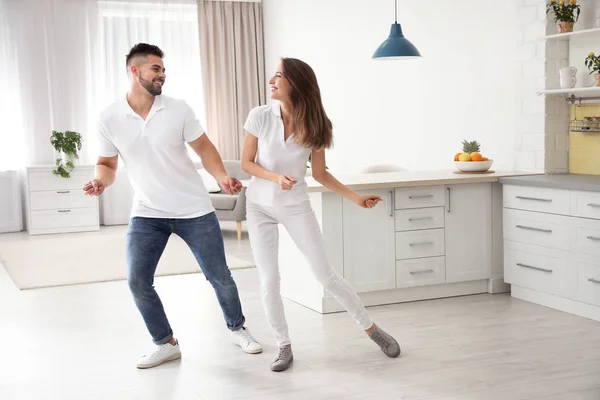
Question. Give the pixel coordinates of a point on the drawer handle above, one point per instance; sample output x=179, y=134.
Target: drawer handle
x=63, y=191
x=420, y=196
x=419, y=219
x=532, y=267
x=594, y=205
x=419, y=243
x=590, y=280
x=593, y=238
x=427, y=271
x=64, y=210
x=534, y=229
x=534, y=199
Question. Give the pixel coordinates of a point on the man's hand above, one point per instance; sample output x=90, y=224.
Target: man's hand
x=95, y=187
x=230, y=184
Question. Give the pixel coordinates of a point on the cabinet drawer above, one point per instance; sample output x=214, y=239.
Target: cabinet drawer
x=554, y=201
x=55, y=199
x=585, y=204
x=418, y=197
x=588, y=285
x=540, y=269
x=67, y=218
x=539, y=229
x=420, y=272
x=419, y=244
x=586, y=236
x=46, y=180
x=419, y=218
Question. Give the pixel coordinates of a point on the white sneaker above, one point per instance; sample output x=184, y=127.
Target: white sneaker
x=242, y=338
x=161, y=353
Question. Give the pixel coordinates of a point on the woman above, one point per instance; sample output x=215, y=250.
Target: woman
x=278, y=141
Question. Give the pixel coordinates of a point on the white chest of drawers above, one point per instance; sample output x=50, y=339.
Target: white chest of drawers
x=58, y=205
x=552, y=247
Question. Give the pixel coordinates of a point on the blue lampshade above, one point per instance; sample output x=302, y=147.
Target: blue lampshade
x=396, y=46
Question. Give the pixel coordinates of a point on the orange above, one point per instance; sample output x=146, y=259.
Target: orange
x=485, y=159
x=456, y=156
x=476, y=157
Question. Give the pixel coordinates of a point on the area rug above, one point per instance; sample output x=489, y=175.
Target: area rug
x=78, y=258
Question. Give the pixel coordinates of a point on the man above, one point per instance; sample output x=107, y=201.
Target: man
x=149, y=132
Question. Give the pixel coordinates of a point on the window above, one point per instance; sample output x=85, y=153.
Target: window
x=171, y=26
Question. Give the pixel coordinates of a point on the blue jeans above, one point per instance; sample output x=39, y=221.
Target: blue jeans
x=146, y=241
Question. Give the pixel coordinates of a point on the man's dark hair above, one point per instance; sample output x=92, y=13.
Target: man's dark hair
x=143, y=49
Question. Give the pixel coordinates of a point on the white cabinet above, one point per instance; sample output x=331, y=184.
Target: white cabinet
x=58, y=205
x=433, y=235
x=552, y=247
x=369, y=252
x=468, y=232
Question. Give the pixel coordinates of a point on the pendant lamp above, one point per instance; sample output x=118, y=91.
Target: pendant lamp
x=396, y=46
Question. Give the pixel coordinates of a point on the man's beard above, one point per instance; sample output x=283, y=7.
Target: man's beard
x=148, y=85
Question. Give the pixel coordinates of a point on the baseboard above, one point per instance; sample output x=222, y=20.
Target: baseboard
x=557, y=303
x=331, y=305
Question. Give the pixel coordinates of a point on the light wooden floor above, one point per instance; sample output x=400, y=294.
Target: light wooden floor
x=81, y=342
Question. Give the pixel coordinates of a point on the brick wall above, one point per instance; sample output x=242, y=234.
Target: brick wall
x=542, y=139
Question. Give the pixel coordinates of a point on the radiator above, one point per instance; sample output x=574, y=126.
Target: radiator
x=11, y=214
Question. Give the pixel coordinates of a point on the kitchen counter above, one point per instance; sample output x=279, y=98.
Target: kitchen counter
x=556, y=181
x=385, y=180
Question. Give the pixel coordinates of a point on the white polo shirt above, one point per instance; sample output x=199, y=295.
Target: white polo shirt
x=277, y=155
x=164, y=178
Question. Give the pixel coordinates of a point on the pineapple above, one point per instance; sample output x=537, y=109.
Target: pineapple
x=470, y=147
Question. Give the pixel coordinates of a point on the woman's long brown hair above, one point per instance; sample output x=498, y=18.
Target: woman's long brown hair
x=312, y=128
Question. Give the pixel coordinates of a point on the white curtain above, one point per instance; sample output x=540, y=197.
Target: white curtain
x=232, y=53
x=11, y=122
x=66, y=61
x=48, y=72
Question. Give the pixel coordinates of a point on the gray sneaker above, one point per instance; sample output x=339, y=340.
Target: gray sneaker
x=283, y=359
x=386, y=342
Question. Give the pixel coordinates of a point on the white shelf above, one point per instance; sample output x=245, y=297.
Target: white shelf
x=567, y=36
x=594, y=90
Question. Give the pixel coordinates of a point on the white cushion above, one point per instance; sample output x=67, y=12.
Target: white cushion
x=211, y=183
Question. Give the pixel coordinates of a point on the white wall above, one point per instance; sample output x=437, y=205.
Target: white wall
x=410, y=113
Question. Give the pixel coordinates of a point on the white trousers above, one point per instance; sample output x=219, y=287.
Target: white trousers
x=302, y=225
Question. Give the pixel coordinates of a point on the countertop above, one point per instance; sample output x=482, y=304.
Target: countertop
x=385, y=180
x=557, y=181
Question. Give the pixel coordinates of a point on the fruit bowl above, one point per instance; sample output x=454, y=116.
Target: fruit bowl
x=473, y=166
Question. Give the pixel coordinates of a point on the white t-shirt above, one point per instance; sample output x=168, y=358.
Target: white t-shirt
x=277, y=155
x=164, y=178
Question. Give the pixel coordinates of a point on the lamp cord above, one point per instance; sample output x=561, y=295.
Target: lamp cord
x=396, y=11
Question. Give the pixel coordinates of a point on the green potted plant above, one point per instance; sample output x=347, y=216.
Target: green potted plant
x=565, y=13
x=67, y=144
x=592, y=61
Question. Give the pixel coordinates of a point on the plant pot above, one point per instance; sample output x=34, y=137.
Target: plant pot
x=565, y=27
x=597, y=76
x=69, y=157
